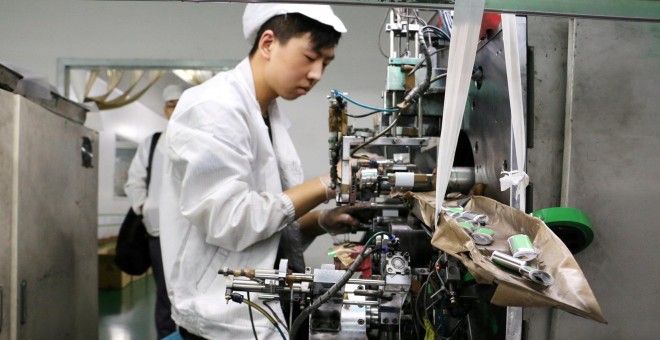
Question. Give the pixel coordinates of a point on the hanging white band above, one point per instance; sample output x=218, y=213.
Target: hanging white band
x=462, y=51
x=517, y=177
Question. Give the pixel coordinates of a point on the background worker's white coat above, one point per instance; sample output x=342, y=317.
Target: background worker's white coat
x=222, y=203
x=136, y=185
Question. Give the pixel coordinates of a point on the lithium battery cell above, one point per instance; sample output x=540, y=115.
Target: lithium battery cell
x=467, y=226
x=521, y=247
x=483, y=236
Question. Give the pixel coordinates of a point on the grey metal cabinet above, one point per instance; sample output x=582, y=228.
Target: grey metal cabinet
x=48, y=217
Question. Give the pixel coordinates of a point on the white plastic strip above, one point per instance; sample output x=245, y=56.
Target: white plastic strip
x=517, y=177
x=404, y=179
x=462, y=52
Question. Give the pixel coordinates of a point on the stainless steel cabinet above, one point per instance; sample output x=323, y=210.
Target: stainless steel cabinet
x=48, y=217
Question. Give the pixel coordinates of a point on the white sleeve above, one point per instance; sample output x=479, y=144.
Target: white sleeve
x=213, y=161
x=136, y=184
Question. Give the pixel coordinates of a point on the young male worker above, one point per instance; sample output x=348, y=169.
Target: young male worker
x=233, y=184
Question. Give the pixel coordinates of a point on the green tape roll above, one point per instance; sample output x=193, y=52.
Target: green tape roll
x=571, y=225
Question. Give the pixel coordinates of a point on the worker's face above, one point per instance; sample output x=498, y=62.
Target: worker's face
x=170, y=105
x=295, y=67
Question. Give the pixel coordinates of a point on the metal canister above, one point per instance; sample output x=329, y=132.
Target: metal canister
x=521, y=247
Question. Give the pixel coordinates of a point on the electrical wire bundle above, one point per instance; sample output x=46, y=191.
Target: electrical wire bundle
x=338, y=94
x=433, y=310
x=238, y=298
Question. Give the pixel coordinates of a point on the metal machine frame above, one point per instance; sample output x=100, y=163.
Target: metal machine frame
x=386, y=304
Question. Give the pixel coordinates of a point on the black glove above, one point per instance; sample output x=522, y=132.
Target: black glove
x=344, y=219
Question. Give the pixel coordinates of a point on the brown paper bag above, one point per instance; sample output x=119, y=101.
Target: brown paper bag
x=569, y=292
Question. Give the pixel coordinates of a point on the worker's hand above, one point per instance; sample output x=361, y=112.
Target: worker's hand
x=344, y=219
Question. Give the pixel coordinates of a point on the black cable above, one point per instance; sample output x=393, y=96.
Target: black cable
x=370, y=140
x=420, y=320
x=420, y=315
x=275, y=315
x=426, y=312
x=453, y=331
x=438, y=77
x=238, y=298
x=416, y=15
x=421, y=88
x=370, y=113
x=421, y=62
x=254, y=330
x=438, y=31
x=415, y=320
x=422, y=290
x=380, y=34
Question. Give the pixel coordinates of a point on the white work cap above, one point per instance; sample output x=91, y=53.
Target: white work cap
x=172, y=92
x=256, y=14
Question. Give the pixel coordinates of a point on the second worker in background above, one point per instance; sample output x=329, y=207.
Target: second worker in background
x=143, y=191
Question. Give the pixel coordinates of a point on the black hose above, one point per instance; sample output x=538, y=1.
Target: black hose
x=419, y=90
x=254, y=330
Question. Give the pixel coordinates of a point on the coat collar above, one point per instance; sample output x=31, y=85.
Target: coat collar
x=289, y=164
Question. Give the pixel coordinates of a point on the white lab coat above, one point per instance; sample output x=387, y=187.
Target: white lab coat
x=136, y=184
x=222, y=203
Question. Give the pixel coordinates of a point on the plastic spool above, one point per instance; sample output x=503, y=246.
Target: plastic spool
x=571, y=225
x=521, y=247
x=483, y=236
x=538, y=276
x=467, y=226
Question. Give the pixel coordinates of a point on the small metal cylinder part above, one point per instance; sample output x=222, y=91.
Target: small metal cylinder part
x=269, y=297
x=535, y=275
x=361, y=302
x=507, y=261
x=367, y=282
x=368, y=177
x=372, y=315
x=367, y=292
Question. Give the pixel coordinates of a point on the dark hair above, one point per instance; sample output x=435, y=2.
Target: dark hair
x=287, y=26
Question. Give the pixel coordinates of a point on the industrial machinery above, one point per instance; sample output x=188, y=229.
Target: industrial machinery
x=406, y=287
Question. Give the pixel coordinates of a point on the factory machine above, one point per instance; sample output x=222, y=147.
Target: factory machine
x=393, y=283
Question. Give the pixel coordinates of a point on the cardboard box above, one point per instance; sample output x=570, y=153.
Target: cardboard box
x=110, y=277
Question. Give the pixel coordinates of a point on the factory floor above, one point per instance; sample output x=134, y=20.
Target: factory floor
x=128, y=313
